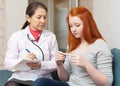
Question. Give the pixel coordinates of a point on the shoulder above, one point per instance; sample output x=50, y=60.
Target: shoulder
x=101, y=46
x=100, y=43
x=48, y=34
x=18, y=34
x=21, y=32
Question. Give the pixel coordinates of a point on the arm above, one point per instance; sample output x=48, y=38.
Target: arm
x=102, y=73
x=12, y=57
x=104, y=67
x=62, y=73
x=50, y=65
x=98, y=77
x=61, y=69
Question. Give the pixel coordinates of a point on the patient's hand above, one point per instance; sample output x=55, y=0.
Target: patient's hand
x=59, y=57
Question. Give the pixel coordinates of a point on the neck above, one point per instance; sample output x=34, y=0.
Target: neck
x=36, y=34
x=34, y=29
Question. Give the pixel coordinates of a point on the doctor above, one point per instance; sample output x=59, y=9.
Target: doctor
x=33, y=41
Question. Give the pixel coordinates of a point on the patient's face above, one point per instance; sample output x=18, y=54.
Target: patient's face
x=76, y=26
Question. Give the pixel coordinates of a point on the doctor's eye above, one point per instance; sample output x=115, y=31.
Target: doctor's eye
x=39, y=17
x=44, y=17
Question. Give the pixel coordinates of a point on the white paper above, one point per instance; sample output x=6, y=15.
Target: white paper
x=22, y=65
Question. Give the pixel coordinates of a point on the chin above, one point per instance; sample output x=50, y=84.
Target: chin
x=77, y=36
x=40, y=28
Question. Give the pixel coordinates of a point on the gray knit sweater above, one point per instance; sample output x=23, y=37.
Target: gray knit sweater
x=100, y=56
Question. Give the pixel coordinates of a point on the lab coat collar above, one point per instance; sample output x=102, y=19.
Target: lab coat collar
x=44, y=31
x=44, y=34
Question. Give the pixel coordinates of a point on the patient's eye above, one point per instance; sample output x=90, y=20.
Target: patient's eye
x=77, y=25
x=71, y=25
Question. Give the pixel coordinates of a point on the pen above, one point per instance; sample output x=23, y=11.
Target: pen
x=29, y=52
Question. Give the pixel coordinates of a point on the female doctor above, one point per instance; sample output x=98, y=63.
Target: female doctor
x=33, y=41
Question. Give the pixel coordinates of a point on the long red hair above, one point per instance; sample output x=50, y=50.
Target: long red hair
x=90, y=30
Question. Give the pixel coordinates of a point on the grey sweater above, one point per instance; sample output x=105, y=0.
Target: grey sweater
x=98, y=55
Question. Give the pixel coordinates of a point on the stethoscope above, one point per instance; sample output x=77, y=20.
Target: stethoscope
x=36, y=46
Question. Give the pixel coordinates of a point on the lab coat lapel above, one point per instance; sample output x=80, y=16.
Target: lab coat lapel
x=42, y=39
x=43, y=36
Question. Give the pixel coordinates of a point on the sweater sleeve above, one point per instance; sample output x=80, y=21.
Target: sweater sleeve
x=104, y=62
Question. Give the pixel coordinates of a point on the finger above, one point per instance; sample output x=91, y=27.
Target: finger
x=59, y=59
x=60, y=53
x=28, y=64
x=32, y=54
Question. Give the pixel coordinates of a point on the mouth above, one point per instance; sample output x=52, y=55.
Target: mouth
x=41, y=25
x=74, y=33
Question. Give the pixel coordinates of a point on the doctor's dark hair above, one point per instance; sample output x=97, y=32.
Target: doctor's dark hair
x=31, y=10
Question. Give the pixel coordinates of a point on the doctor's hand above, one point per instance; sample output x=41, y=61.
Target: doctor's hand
x=59, y=58
x=34, y=65
x=30, y=56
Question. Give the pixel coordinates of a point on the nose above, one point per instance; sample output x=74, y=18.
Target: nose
x=74, y=28
x=42, y=20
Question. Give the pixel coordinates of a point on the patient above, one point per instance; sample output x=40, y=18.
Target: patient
x=89, y=60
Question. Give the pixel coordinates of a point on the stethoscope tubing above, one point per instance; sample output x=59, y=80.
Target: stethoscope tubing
x=36, y=46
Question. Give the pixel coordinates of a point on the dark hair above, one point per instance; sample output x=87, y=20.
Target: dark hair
x=31, y=10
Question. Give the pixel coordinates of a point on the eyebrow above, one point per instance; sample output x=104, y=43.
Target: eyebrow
x=41, y=15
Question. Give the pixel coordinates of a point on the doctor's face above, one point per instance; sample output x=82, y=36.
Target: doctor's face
x=38, y=20
x=76, y=26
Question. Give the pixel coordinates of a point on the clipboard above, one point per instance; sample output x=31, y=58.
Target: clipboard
x=22, y=65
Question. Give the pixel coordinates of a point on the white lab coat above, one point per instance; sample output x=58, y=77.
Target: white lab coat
x=17, y=44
